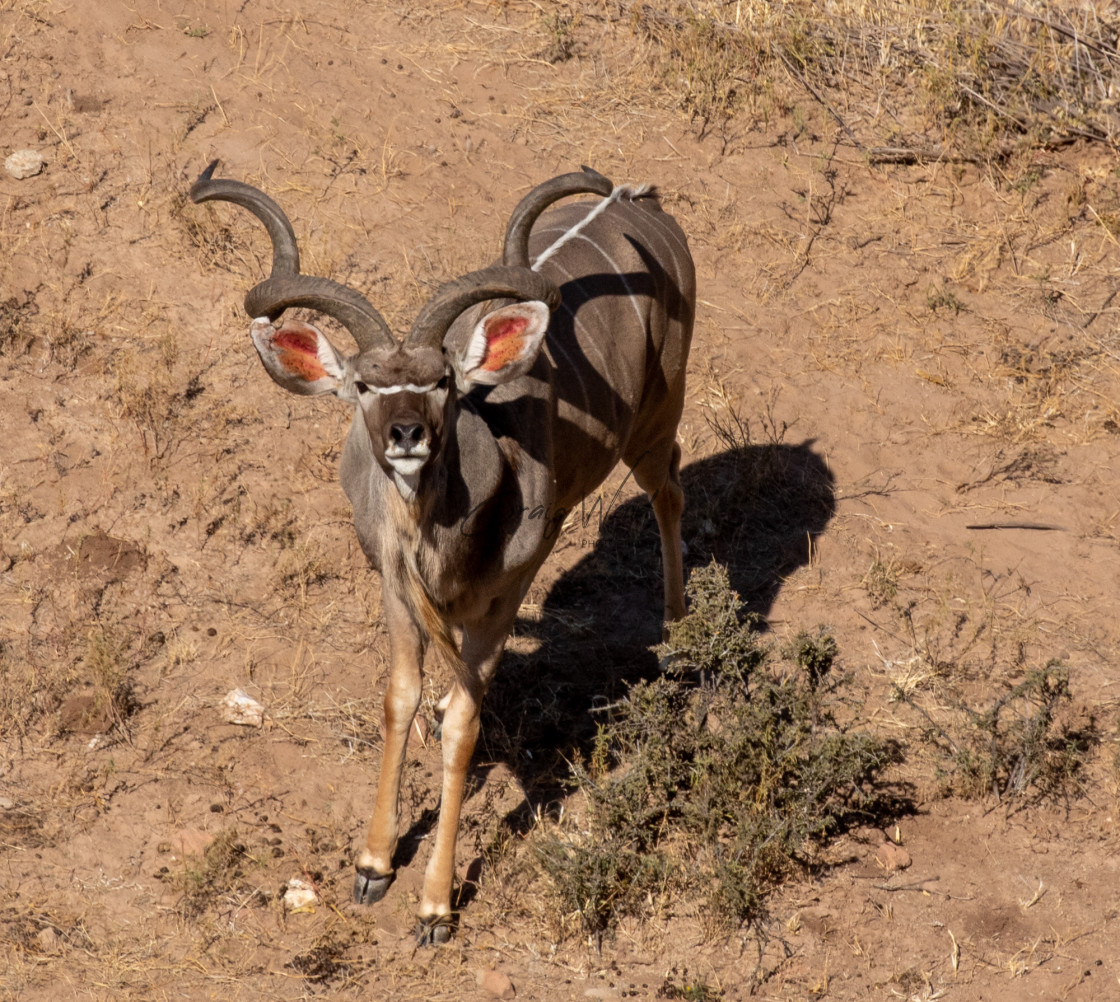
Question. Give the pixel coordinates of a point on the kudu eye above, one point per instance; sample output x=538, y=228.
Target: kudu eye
x=360, y=386
x=444, y=382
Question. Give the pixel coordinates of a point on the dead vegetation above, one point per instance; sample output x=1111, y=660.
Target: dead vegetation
x=907, y=82
x=207, y=881
x=1025, y=747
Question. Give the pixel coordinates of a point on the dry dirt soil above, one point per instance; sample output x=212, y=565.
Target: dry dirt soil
x=932, y=351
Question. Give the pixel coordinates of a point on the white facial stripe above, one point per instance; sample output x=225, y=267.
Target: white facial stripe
x=384, y=391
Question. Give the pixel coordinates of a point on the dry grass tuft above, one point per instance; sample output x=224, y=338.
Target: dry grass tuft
x=32, y=684
x=1027, y=746
x=109, y=664
x=34, y=930
x=155, y=396
x=905, y=82
x=222, y=873
x=17, y=326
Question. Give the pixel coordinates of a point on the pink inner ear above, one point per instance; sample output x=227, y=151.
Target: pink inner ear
x=504, y=343
x=297, y=350
x=296, y=339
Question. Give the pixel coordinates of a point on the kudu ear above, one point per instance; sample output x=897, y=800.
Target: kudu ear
x=504, y=344
x=299, y=358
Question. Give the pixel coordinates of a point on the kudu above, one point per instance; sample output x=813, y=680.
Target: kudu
x=512, y=397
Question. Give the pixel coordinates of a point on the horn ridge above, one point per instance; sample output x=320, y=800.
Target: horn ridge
x=515, y=252
x=452, y=298
x=286, y=287
x=348, y=306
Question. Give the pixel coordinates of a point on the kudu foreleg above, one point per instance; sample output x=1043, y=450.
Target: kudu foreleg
x=460, y=733
x=402, y=699
x=481, y=649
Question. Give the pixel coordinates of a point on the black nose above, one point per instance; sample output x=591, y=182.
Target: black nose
x=407, y=436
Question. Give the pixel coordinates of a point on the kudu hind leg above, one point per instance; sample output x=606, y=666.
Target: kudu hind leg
x=402, y=699
x=658, y=473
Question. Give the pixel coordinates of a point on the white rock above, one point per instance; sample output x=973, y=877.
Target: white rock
x=300, y=896
x=24, y=163
x=240, y=708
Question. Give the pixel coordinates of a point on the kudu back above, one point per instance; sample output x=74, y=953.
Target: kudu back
x=512, y=397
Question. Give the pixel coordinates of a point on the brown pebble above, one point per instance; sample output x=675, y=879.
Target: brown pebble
x=48, y=940
x=419, y=732
x=892, y=857
x=495, y=984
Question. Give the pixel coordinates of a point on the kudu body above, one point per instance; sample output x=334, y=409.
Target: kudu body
x=515, y=393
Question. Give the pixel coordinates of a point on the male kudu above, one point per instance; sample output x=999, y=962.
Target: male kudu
x=512, y=397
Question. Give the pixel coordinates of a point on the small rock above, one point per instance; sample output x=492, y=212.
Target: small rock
x=48, y=940
x=240, y=708
x=6, y=804
x=24, y=163
x=83, y=715
x=419, y=732
x=495, y=984
x=300, y=896
x=892, y=857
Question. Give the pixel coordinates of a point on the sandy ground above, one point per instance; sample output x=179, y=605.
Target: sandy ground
x=934, y=350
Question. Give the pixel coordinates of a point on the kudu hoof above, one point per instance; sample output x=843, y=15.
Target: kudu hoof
x=370, y=887
x=435, y=930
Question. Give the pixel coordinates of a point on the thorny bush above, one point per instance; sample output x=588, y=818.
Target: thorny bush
x=1024, y=748
x=719, y=777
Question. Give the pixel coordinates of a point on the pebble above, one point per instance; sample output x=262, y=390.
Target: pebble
x=240, y=708
x=892, y=857
x=48, y=940
x=24, y=163
x=495, y=984
x=299, y=896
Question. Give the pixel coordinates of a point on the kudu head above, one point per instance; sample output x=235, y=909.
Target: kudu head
x=407, y=389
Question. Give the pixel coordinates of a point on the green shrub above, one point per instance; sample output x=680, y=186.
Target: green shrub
x=717, y=778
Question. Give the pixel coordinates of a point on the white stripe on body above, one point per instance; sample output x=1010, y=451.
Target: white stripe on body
x=620, y=191
x=588, y=343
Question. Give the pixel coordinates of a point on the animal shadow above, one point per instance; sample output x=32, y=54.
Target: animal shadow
x=753, y=509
